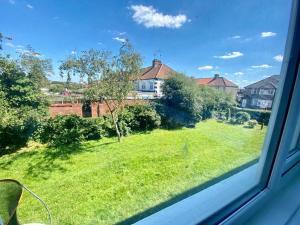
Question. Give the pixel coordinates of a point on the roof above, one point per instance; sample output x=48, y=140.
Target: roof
x=158, y=70
x=216, y=81
x=269, y=82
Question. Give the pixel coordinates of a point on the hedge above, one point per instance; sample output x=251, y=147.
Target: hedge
x=261, y=116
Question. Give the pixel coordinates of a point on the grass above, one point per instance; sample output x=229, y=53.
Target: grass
x=106, y=182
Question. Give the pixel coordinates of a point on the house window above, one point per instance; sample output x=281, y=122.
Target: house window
x=143, y=85
x=151, y=85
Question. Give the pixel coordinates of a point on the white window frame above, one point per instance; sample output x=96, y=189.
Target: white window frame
x=235, y=199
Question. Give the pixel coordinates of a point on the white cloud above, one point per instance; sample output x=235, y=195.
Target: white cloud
x=29, y=6
x=11, y=2
x=208, y=67
x=278, y=58
x=267, y=34
x=119, y=39
x=262, y=66
x=238, y=73
x=230, y=55
x=236, y=37
x=122, y=33
x=9, y=44
x=150, y=17
x=99, y=43
x=73, y=52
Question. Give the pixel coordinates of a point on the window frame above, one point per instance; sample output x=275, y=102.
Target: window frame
x=273, y=168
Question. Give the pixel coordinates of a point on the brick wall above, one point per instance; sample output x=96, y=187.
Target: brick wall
x=65, y=109
x=97, y=109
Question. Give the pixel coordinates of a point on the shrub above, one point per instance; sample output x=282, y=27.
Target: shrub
x=91, y=130
x=242, y=117
x=142, y=117
x=252, y=123
x=70, y=129
x=181, y=104
x=62, y=130
x=16, y=128
x=261, y=116
x=105, y=125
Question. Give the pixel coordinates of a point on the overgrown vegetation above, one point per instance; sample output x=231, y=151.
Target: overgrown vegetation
x=66, y=130
x=181, y=104
x=110, y=78
x=23, y=106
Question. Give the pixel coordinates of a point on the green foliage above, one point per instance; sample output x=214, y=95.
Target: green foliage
x=252, y=123
x=109, y=77
x=242, y=117
x=62, y=130
x=261, y=116
x=181, y=104
x=216, y=102
x=22, y=108
x=141, y=117
x=36, y=68
x=91, y=130
x=150, y=166
x=70, y=129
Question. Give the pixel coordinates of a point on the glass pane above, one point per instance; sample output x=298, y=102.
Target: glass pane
x=113, y=110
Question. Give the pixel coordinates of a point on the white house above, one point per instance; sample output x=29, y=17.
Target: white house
x=149, y=84
x=260, y=94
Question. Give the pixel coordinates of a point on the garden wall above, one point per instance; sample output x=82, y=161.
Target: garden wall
x=97, y=109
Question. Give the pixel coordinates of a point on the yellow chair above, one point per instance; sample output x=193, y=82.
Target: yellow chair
x=10, y=194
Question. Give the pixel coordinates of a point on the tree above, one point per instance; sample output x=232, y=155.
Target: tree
x=36, y=68
x=19, y=90
x=22, y=106
x=110, y=78
x=181, y=103
x=215, y=101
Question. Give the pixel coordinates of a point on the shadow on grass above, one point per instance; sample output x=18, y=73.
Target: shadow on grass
x=42, y=163
x=183, y=195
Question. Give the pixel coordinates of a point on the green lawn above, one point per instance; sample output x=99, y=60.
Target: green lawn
x=105, y=182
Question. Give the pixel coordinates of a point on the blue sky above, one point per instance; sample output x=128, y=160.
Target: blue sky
x=242, y=40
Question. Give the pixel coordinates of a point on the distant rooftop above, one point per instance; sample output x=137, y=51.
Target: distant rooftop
x=271, y=81
x=158, y=70
x=217, y=80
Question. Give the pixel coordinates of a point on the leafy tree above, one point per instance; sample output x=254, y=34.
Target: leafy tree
x=22, y=105
x=181, y=103
x=215, y=101
x=110, y=78
x=36, y=68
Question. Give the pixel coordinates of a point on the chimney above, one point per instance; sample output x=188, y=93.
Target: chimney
x=156, y=62
x=216, y=76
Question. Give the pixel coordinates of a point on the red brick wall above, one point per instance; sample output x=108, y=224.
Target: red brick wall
x=98, y=109
x=65, y=109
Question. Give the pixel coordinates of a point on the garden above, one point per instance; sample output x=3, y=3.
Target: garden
x=107, y=182
x=122, y=166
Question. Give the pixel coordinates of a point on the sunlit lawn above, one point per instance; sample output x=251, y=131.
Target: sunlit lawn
x=105, y=182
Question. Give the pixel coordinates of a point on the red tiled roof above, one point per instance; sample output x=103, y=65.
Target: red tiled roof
x=203, y=81
x=157, y=71
x=216, y=81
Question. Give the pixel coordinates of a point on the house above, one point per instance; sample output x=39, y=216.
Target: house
x=149, y=84
x=219, y=83
x=260, y=95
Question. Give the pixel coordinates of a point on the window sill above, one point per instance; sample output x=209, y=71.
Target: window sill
x=283, y=206
x=200, y=206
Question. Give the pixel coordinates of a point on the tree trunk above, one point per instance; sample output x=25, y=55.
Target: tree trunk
x=115, y=121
